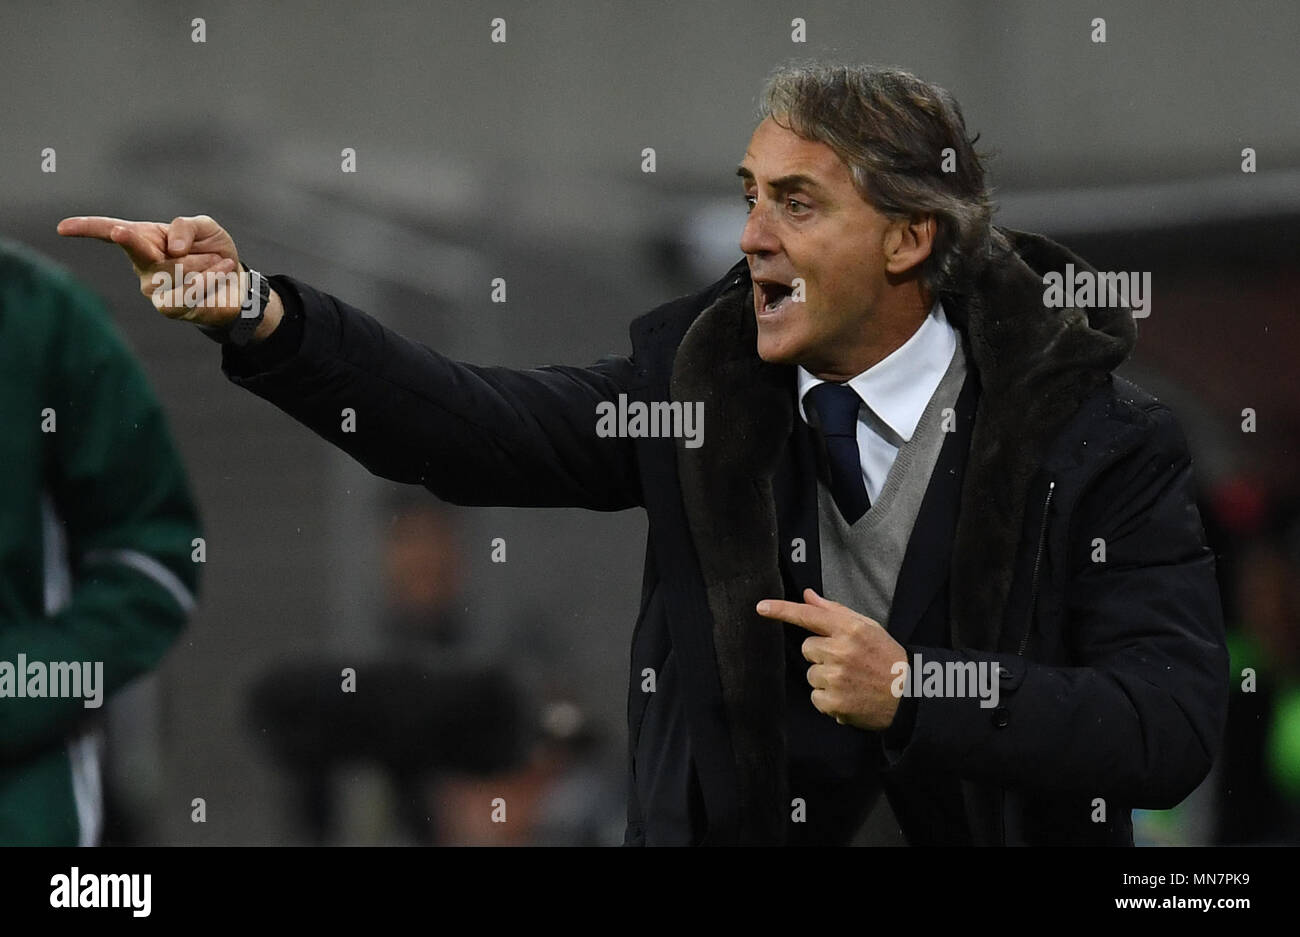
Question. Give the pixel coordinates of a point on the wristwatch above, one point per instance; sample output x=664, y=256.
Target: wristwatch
x=251, y=310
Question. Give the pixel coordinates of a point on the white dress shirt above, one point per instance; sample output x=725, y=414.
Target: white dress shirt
x=894, y=392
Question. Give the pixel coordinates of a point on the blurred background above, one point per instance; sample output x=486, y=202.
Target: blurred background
x=523, y=160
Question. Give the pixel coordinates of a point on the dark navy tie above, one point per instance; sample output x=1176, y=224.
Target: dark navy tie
x=836, y=406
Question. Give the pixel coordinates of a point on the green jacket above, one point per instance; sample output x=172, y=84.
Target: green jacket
x=97, y=531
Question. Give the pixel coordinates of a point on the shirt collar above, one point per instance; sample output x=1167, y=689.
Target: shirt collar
x=898, y=387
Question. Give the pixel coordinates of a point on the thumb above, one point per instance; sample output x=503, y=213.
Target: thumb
x=812, y=598
x=179, y=235
x=187, y=230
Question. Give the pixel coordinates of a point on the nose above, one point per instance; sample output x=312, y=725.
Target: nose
x=757, y=237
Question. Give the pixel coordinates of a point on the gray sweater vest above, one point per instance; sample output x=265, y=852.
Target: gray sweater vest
x=860, y=563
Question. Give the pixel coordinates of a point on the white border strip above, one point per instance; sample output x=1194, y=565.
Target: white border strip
x=150, y=567
x=87, y=787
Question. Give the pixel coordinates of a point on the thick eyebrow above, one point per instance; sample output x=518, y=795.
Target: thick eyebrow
x=785, y=183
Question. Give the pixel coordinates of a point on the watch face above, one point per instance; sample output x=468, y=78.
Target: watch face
x=259, y=293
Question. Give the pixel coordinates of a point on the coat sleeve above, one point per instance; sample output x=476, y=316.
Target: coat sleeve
x=120, y=526
x=1139, y=716
x=472, y=435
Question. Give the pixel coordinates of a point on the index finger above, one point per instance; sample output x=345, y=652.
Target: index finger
x=134, y=236
x=91, y=226
x=809, y=617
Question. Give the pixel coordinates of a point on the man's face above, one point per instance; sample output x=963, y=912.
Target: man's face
x=807, y=220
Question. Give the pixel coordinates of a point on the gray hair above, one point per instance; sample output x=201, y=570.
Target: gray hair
x=890, y=128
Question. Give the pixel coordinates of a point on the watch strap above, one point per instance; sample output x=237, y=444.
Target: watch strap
x=240, y=330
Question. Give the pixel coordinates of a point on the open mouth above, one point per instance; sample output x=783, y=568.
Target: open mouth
x=772, y=296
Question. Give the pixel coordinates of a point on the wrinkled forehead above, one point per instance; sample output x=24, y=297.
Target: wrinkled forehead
x=775, y=153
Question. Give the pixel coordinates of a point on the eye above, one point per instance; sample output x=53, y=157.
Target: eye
x=796, y=207
x=749, y=203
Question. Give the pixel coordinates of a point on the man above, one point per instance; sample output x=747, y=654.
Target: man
x=97, y=529
x=895, y=422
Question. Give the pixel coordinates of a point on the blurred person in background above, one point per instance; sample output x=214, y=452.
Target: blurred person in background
x=423, y=705
x=97, y=533
x=423, y=578
x=561, y=795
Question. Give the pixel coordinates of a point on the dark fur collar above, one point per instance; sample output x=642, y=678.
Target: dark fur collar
x=1035, y=366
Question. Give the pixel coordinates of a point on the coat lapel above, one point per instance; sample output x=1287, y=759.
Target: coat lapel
x=1036, y=366
x=730, y=509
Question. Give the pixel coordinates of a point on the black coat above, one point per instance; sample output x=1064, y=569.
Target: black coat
x=1114, y=674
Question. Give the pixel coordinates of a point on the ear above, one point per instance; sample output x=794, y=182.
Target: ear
x=908, y=243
